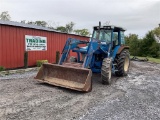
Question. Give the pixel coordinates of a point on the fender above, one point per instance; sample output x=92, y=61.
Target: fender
x=121, y=48
x=117, y=50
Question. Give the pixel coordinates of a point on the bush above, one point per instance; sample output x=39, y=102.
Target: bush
x=40, y=62
x=2, y=68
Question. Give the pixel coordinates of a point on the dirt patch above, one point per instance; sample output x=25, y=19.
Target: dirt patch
x=24, y=98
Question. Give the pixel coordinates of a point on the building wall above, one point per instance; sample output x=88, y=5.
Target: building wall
x=12, y=45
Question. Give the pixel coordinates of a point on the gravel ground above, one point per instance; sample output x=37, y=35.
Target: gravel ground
x=136, y=96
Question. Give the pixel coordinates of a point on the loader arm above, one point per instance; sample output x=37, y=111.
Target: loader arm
x=71, y=44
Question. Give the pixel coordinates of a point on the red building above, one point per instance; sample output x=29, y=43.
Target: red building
x=12, y=43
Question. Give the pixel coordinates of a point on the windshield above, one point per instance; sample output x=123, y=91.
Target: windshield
x=102, y=35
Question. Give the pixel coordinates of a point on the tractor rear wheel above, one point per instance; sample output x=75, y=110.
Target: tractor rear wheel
x=106, y=71
x=122, y=62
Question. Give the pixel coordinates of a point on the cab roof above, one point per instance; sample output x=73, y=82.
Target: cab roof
x=109, y=27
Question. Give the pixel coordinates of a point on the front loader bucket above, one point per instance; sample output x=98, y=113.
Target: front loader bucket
x=65, y=76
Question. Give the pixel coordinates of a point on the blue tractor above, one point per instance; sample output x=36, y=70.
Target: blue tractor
x=105, y=53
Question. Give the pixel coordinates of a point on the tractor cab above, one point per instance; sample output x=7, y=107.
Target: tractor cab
x=105, y=35
x=109, y=34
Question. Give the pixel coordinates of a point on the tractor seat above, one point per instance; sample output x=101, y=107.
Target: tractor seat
x=81, y=49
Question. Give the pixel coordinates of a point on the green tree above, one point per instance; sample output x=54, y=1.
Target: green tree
x=83, y=32
x=149, y=45
x=23, y=21
x=156, y=32
x=5, y=16
x=41, y=23
x=31, y=22
x=133, y=42
x=69, y=27
x=154, y=49
x=61, y=29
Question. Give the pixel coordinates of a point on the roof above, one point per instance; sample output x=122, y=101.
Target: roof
x=18, y=24
x=109, y=27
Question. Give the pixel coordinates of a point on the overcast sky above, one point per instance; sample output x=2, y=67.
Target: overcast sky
x=137, y=16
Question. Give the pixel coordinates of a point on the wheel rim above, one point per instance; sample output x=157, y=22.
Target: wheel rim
x=126, y=64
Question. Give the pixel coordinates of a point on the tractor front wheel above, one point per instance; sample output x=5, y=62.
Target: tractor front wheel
x=106, y=71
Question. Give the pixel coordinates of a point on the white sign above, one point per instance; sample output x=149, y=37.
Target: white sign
x=35, y=43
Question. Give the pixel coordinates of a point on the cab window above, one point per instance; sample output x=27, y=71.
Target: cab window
x=115, y=38
x=122, y=38
x=103, y=35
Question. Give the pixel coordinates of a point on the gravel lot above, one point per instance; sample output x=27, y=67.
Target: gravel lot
x=136, y=96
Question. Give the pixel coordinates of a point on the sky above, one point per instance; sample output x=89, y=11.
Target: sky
x=136, y=16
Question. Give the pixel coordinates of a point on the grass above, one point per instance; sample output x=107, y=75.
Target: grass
x=155, y=60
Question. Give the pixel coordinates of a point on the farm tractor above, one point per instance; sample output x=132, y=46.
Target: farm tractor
x=105, y=53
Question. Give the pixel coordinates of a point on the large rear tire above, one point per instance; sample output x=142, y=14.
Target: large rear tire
x=106, y=71
x=122, y=62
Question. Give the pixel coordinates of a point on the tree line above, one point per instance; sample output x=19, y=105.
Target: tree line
x=149, y=45
x=68, y=28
